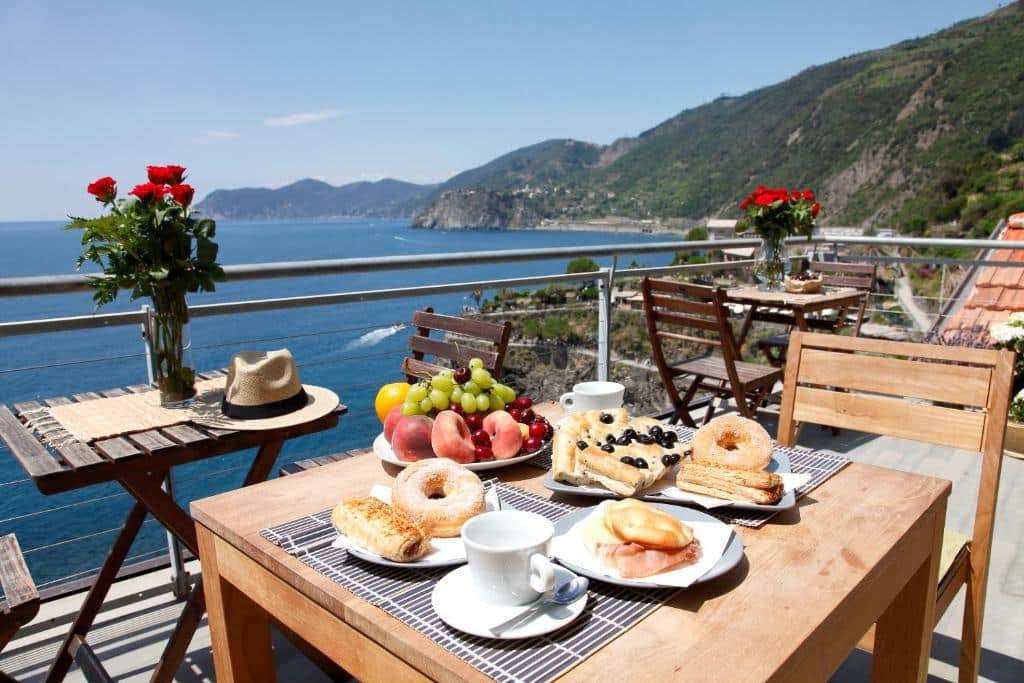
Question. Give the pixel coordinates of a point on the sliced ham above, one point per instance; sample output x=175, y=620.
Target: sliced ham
x=633, y=561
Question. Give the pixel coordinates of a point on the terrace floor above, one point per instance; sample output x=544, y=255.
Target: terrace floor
x=130, y=632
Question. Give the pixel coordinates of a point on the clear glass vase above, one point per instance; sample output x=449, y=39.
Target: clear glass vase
x=770, y=265
x=170, y=350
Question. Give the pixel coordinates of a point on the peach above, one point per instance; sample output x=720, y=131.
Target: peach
x=450, y=438
x=506, y=438
x=410, y=439
x=394, y=415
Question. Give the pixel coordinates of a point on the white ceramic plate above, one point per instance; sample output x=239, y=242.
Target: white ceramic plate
x=383, y=450
x=446, y=551
x=722, y=550
x=665, y=492
x=454, y=599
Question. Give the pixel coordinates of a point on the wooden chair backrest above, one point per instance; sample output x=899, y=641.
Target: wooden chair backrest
x=468, y=338
x=671, y=304
x=910, y=391
x=856, y=275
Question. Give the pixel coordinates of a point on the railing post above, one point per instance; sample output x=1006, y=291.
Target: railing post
x=604, y=320
x=179, y=577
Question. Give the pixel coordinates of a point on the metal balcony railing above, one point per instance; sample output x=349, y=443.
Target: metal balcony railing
x=605, y=278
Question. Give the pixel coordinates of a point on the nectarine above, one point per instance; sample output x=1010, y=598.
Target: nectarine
x=506, y=439
x=410, y=439
x=450, y=438
x=391, y=421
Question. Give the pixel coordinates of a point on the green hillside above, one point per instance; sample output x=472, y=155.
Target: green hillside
x=546, y=162
x=877, y=134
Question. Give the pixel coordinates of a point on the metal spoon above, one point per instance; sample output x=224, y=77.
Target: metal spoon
x=564, y=594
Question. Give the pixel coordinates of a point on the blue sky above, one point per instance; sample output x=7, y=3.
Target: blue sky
x=262, y=94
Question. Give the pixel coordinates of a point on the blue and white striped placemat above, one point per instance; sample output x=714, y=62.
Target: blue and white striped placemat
x=405, y=594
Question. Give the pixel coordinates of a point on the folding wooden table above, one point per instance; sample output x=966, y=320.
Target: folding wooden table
x=790, y=309
x=139, y=462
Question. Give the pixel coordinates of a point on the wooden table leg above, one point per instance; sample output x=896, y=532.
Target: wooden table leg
x=903, y=636
x=239, y=628
x=98, y=593
x=177, y=647
x=742, y=336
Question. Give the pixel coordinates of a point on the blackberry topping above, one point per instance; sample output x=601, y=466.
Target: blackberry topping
x=607, y=419
x=671, y=436
x=608, y=448
x=666, y=443
x=670, y=459
x=623, y=440
x=626, y=460
x=656, y=431
x=581, y=445
x=644, y=439
x=640, y=464
x=610, y=438
x=630, y=432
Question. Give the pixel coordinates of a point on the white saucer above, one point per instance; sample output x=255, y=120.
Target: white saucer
x=454, y=599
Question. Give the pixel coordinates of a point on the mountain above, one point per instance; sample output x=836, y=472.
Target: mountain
x=316, y=199
x=917, y=132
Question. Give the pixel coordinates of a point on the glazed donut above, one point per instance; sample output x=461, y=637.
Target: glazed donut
x=439, y=494
x=734, y=442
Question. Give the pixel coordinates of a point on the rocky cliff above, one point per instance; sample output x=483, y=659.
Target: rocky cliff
x=478, y=208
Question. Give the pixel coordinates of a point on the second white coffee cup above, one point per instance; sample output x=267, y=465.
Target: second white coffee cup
x=593, y=396
x=507, y=552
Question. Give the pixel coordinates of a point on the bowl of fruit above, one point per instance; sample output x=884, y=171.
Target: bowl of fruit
x=461, y=414
x=806, y=282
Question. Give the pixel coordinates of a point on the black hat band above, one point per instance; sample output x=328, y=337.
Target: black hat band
x=265, y=410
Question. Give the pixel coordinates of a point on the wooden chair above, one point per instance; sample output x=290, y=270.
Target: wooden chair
x=21, y=600
x=826, y=377
x=471, y=339
x=671, y=305
x=859, y=276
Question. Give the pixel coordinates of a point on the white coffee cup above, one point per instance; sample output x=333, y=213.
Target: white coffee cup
x=593, y=396
x=507, y=551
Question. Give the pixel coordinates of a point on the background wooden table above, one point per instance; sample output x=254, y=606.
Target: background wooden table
x=139, y=462
x=799, y=306
x=863, y=547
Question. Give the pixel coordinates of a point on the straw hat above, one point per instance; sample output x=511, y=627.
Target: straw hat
x=262, y=391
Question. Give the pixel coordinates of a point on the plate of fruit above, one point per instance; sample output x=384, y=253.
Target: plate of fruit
x=464, y=415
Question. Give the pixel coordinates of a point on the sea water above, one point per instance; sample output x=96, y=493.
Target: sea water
x=352, y=349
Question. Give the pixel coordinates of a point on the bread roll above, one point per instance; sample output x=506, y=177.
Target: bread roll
x=764, y=488
x=381, y=529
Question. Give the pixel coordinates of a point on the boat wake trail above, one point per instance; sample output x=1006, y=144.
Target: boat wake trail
x=374, y=337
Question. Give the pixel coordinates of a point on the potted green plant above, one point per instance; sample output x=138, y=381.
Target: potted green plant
x=775, y=214
x=151, y=244
x=1010, y=335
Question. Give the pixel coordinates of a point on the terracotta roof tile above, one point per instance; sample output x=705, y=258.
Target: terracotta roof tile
x=1015, y=221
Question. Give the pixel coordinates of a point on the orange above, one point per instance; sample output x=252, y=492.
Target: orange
x=389, y=396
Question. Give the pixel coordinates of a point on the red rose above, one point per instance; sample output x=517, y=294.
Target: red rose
x=149, y=193
x=744, y=204
x=166, y=175
x=815, y=209
x=764, y=199
x=808, y=195
x=183, y=194
x=104, y=189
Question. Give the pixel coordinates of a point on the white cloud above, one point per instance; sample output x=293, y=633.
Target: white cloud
x=302, y=118
x=221, y=134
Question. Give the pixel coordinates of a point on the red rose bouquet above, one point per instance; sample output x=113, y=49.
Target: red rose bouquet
x=152, y=244
x=775, y=214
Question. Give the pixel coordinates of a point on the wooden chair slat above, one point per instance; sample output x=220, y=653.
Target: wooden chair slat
x=114, y=393
x=420, y=368
x=689, y=338
x=959, y=384
x=481, y=329
x=153, y=442
x=456, y=351
x=57, y=401
x=35, y=459
x=14, y=576
x=86, y=396
x=684, y=306
x=138, y=388
x=953, y=354
x=891, y=417
x=685, y=320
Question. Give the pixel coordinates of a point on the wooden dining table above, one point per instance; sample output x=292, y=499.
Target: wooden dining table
x=796, y=310
x=861, y=549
